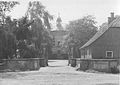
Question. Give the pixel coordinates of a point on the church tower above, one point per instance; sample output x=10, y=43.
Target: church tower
x=59, y=23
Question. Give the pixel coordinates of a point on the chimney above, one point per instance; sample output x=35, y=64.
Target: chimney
x=111, y=18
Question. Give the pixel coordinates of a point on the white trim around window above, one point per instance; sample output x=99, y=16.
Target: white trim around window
x=110, y=55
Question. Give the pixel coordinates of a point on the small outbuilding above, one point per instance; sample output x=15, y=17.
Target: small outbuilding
x=102, y=51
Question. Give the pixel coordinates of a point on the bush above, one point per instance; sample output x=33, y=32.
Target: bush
x=114, y=70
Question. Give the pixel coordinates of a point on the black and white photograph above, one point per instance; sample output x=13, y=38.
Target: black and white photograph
x=59, y=42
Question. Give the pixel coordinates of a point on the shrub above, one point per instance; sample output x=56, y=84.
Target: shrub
x=114, y=70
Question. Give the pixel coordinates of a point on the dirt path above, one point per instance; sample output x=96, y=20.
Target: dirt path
x=58, y=73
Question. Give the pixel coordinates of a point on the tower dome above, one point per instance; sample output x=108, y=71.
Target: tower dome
x=58, y=23
x=59, y=19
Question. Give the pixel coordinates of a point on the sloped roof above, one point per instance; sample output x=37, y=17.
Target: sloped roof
x=114, y=23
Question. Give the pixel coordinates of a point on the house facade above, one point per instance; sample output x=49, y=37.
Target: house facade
x=102, y=51
x=105, y=44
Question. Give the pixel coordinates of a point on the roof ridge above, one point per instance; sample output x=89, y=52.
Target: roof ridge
x=114, y=23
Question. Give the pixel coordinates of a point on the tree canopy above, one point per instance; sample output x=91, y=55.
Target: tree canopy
x=41, y=26
x=6, y=6
x=81, y=30
x=26, y=34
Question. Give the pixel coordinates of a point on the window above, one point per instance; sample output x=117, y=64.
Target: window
x=109, y=54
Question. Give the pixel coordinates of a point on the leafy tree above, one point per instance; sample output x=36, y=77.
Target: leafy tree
x=81, y=30
x=104, y=26
x=22, y=30
x=7, y=38
x=26, y=34
x=41, y=27
x=36, y=11
x=32, y=30
x=23, y=35
x=6, y=6
x=7, y=44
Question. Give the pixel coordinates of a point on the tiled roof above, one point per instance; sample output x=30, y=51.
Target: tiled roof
x=114, y=23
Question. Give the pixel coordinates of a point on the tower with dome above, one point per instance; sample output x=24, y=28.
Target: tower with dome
x=59, y=23
x=58, y=39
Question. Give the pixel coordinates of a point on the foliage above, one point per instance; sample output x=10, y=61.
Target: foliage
x=6, y=6
x=7, y=38
x=22, y=30
x=41, y=26
x=26, y=34
x=7, y=43
x=14, y=32
x=104, y=26
x=81, y=30
x=36, y=11
x=32, y=30
x=26, y=50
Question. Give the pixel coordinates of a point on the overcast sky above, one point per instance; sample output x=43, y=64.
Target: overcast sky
x=74, y=9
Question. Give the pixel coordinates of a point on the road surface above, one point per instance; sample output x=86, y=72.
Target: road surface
x=58, y=73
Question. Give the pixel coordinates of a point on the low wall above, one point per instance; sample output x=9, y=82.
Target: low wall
x=22, y=64
x=72, y=62
x=42, y=62
x=104, y=65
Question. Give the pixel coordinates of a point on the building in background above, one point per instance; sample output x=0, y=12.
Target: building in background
x=58, y=50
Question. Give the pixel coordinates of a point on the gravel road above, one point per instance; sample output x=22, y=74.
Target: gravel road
x=58, y=73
